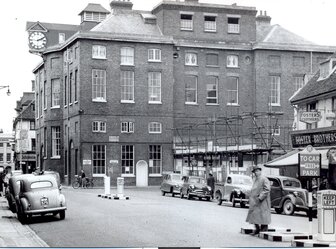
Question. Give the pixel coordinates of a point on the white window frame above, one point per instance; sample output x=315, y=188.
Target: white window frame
x=154, y=55
x=155, y=128
x=298, y=82
x=233, y=28
x=99, y=126
x=208, y=90
x=56, y=142
x=98, y=52
x=55, y=93
x=127, y=160
x=127, y=86
x=127, y=127
x=190, y=59
x=210, y=26
x=61, y=38
x=232, y=60
x=275, y=90
x=186, y=24
x=154, y=87
x=127, y=56
x=154, y=161
x=233, y=92
x=276, y=130
x=101, y=150
x=190, y=90
x=98, y=85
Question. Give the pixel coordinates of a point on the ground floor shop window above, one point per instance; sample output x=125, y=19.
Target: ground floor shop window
x=99, y=159
x=127, y=159
x=155, y=159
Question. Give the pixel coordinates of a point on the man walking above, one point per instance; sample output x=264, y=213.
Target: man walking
x=211, y=184
x=259, y=212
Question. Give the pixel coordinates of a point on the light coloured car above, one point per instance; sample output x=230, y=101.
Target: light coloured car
x=37, y=195
x=171, y=183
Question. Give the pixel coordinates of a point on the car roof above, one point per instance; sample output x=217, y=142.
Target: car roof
x=283, y=177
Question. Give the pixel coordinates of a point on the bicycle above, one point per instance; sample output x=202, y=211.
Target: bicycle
x=78, y=182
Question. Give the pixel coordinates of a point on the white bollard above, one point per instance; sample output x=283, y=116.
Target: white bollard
x=120, y=186
x=107, y=185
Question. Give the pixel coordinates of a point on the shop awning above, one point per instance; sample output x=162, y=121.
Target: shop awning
x=292, y=159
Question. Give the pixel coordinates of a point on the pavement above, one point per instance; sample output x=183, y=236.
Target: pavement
x=13, y=233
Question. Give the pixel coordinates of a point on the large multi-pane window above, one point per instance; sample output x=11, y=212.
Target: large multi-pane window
x=70, y=88
x=98, y=126
x=154, y=55
x=127, y=159
x=232, y=91
x=8, y=157
x=99, y=159
x=298, y=81
x=210, y=23
x=76, y=85
x=45, y=100
x=56, y=141
x=232, y=60
x=212, y=90
x=65, y=90
x=127, y=127
x=186, y=22
x=191, y=59
x=98, y=85
x=45, y=145
x=98, y=52
x=154, y=87
x=32, y=125
x=155, y=159
x=275, y=91
x=55, y=93
x=233, y=25
x=154, y=127
x=127, y=56
x=1, y=157
x=190, y=89
x=127, y=86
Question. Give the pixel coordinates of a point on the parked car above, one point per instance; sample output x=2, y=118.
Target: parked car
x=171, y=183
x=54, y=173
x=195, y=186
x=287, y=195
x=37, y=195
x=235, y=189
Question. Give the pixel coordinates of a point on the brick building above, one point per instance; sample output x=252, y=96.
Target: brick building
x=132, y=93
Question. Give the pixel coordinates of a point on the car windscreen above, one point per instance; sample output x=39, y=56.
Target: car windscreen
x=242, y=180
x=196, y=180
x=176, y=178
x=291, y=183
x=41, y=184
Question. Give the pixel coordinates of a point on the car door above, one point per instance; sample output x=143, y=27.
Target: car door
x=228, y=187
x=276, y=191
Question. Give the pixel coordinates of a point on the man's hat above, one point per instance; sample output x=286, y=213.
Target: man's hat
x=254, y=168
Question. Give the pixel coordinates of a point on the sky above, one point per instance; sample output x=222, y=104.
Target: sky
x=311, y=19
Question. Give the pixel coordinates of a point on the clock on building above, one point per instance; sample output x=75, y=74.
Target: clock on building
x=37, y=40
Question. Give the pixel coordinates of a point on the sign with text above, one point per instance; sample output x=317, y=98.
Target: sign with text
x=310, y=117
x=316, y=139
x=309, y=163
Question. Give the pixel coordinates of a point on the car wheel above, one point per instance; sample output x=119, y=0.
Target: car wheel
x=208, y=198
x=218, y=197
x=278, y=210
x=163, y=193
x=242, y=204
x=189, y=195
x=288, y=207
x=22, y=217
x=62, y=214
x=233, y=200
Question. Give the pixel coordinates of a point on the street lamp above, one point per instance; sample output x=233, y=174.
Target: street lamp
x=8, y=91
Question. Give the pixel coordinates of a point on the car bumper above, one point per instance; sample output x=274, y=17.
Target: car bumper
x=44, y=211
x=239, y=200
x=201, y=194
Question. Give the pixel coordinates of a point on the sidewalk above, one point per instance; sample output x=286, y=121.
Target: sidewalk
x=13, y=233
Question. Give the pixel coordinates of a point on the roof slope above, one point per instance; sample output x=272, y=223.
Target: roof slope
x=128, y=23
x=94, y=7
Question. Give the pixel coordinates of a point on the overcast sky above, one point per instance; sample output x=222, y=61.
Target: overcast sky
x=311, y=19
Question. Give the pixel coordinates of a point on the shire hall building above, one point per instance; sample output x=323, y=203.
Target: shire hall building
x=189, y=87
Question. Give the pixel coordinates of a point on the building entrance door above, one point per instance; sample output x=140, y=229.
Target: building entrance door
x=141, y=174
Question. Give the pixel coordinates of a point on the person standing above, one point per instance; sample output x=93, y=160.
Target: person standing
x=259, y=212
x=83, y=176
x=211, y=184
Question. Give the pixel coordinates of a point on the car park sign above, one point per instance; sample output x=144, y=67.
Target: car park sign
x=309, y=163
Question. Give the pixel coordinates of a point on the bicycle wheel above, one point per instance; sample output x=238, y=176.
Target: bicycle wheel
x=75, y=184
x=89, y=184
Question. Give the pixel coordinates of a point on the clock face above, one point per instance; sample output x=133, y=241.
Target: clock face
x=37, y=40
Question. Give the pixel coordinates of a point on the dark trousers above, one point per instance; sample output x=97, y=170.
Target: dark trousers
x=262, y=228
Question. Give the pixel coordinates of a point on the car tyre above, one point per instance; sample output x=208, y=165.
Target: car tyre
x=242, y=204
x=288, y=207
x=163, y=193
x=22, y=217
x=62, y=215
x=208, y=198
x=218, y=197
x=233, y=200
x=278, y=210
x=188, y=196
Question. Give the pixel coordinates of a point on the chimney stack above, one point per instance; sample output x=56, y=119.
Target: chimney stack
x=191, y=1
x=121, y=6
x=263, y=19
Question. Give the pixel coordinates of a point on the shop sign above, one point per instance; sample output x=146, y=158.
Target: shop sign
x=86, y=162
x=309, y=162
x=316, y=139
x=310, y=117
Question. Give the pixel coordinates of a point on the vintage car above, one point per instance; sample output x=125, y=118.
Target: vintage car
x=195, y=186
x=171, y=183
x=235, y=189
x=37, y=195
x=287, y=195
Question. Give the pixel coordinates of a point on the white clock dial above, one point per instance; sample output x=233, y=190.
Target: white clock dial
x=37, y=40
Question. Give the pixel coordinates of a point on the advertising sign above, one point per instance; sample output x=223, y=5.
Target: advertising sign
x=309, y=163
x=316, y=139
x=310, y=117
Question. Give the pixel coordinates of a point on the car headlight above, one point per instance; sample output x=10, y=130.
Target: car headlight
x=295, y=193
x=192, y=186
x=209, y=188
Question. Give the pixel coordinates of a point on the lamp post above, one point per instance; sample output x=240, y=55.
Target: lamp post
x=8, y=91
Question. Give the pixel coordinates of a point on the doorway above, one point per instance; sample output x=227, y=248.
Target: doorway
x=141, y=174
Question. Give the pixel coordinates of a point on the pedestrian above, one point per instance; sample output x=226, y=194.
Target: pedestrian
x=324, y=184
x=83, y=178
x=8, y=175
x=259, y=212
x=211, y=184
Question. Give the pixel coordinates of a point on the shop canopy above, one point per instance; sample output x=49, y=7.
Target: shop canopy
x=292, y=159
